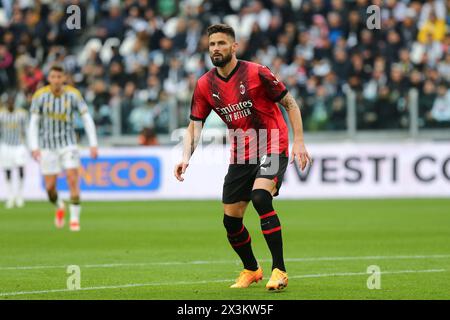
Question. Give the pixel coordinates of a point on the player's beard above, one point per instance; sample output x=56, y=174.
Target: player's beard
x=221, y=61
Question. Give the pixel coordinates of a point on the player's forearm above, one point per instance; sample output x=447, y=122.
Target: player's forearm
x=89, y=127
x=191, y=139
x=33, y=132
x=295, y=117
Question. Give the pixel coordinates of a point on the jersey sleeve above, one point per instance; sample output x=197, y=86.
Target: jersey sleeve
x=81, y=104
x=24, y=123
x=200, y=107
x=275, y=89
x=36, y=104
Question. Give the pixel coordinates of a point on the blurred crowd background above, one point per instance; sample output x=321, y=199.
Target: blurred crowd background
x=137, y=61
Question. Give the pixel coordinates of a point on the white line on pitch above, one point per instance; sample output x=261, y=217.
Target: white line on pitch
x=135, y=285
x=169, y=263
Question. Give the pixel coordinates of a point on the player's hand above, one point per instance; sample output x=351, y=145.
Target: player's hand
x=300, y=154
x=94, y=152
x=180, y=169
x=36, y=154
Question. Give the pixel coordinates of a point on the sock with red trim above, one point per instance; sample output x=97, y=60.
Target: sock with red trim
x=270, y=226
x=240, y=240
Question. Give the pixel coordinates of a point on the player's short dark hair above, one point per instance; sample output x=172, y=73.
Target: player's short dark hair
x=222, y=28
x=57, y=67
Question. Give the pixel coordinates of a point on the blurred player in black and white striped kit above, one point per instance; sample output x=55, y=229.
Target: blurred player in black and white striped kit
x=53, y=141
x=13, y=150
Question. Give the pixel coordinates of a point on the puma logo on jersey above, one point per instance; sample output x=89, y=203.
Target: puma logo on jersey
x=216, y=95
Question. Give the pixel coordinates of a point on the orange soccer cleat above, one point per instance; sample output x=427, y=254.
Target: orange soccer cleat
x=247, y=277
x=278, y=280
x=59, y=218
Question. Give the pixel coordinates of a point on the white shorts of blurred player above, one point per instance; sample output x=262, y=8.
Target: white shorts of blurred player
x=12, y=157
x=55, y=161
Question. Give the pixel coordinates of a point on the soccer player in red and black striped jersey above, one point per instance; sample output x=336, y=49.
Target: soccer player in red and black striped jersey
x=244, y=95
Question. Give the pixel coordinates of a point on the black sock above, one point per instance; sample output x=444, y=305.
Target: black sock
x=53, y=196
x=8, y=175
x=240, y=240
x=21, y=173
x=270, y=226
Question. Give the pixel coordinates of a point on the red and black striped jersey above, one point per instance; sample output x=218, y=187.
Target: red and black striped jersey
x=246, y=102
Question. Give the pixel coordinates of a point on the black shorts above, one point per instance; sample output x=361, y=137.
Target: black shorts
x=240, y=178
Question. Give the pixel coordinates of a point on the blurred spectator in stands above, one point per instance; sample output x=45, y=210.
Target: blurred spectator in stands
x=304, y=47
x=299, y=69
x=116, y=56
x=367, y=47
x=329, y=81
x=408, y=27
x=163, y=112
x=29, y=74
x=58, y=55
x=193, y=33
x=152, y=89
x=444, y=67
x=98, y=97
x=283, y=9
x=113, y=25
x=405, y=61
x=341, y=65
x=128, y=103
x=320, y=110
x=432, y=51
x=415, y=79
x=398, y=87
x=17, y=25
x=426, y=100
x=6, y=68
x=175, y=81
x=167, y=8
x=336, y=28
x=393, y=45
x=339, y=7
x=432, y=26
x=162, y=56
x=179, y=40
x=441, y=106
x=319, y=31
x=135, y=20
x=386, y=110
x=319, y=7
x=357, y=68
x=184, y=101
x=436, y=7
x=353, y=28
x=53, y=35
x=148, y=137
x=142, y=116
x=137, y=59
x=117, y=74
x=92, y=68
x=338, y=114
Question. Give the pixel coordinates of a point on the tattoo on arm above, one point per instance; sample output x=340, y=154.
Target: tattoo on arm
x=288, y=102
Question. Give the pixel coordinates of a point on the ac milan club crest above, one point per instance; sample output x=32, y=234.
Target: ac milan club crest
x=242, y=88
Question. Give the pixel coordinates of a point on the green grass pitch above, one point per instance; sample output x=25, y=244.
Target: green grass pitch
x=178, y=250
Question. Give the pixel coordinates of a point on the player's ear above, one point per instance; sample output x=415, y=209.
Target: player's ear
x=235, y=46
